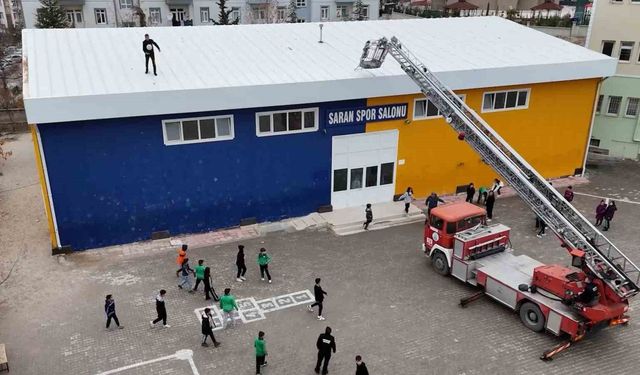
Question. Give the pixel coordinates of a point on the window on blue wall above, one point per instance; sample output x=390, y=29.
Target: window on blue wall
x=286, y=122
x=195, y=130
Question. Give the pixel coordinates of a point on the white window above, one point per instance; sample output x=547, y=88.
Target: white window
x=101, y=16
x=281, y=14
x=626, y=48
x=341, y=12
x=324, y=13
x=196, y=130
x=301, y=3
x=259, y=14
x=74, y=16
x=126, y=4
x=286, y=122
x=505, y=100
x=365, y=12
x=155, y=17
x=204, y=15
x=607, y=47
x=633, y=105
x=180, y=14
x=614, y=105
x=424, y=109
x=599, y=105
x=235, y=14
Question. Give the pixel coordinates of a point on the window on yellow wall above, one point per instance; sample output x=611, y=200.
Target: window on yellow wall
x=424, y=109
x=505, y=100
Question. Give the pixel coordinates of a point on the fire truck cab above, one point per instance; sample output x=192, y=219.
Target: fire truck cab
x=447, y=221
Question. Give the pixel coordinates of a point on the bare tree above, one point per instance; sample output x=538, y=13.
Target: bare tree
x=268, y=12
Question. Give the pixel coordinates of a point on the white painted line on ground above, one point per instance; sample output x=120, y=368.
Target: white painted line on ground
x=613, y=199
x=184, y=355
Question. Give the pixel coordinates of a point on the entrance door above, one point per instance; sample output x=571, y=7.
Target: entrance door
x=363, y=168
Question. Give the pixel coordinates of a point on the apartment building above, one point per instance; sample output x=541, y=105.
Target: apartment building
x=119, y=13
x=615, y=31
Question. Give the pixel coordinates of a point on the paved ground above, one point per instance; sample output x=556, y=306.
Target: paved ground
x=384, y=301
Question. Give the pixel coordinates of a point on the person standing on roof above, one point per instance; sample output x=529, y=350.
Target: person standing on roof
x=407, y=197
x=147, y=48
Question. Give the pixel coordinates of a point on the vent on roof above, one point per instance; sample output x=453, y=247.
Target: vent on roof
x=320, y=41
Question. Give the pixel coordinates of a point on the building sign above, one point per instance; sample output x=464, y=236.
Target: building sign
x=360, y=115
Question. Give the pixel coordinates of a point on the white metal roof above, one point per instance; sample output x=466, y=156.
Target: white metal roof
x=81, y=74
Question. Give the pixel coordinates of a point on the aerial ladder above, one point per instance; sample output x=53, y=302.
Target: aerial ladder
x=599, y=257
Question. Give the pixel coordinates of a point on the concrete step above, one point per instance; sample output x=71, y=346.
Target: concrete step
x=384, y=223
x=401, y=217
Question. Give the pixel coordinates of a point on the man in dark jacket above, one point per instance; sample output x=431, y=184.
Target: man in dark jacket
x=471, y=191
x=110, y=310
x=207, y=328
x=240, y=264
x=319, y=294
x=361, y=367
x=608, y=214
x=325, y=344
x=147, y=48
x=161, y=310
x=432, y=202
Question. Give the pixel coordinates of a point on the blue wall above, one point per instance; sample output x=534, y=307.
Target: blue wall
x=114, y=181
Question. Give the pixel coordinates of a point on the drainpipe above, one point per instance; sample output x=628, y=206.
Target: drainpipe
x=116, y=7
x=593, y=118
x=636, y=133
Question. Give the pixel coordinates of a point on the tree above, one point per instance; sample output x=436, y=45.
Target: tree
x=51, y=15
x=358, y=10
x=223, y=16
x=292, y=17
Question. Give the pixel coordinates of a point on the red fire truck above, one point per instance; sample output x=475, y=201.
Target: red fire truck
x=570, y=302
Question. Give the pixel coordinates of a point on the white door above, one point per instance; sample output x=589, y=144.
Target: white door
x=363, y=168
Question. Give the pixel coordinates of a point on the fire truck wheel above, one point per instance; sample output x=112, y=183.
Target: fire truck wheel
x=440, y=264
x=532, y=317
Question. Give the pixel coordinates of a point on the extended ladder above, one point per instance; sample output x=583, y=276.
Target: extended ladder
x=602, y=257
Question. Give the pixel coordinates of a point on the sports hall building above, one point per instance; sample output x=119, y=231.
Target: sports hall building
x=263, y=122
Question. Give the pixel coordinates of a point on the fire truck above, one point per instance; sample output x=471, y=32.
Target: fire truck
x=568, y=302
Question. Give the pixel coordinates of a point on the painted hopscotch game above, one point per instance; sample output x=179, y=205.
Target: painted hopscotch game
x=250, y=310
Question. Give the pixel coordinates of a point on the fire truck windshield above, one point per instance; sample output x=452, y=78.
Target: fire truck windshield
x=469, y=222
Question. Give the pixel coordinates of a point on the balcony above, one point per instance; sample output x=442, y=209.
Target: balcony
x=71, y=3
x=179, y=2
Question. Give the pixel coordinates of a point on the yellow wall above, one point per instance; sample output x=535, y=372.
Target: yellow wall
x=43, y=186
x=551, y=134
